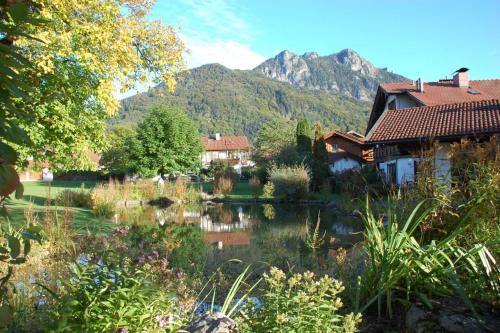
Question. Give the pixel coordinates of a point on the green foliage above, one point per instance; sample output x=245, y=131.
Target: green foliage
x=14, y=18
x=290, y=182
x=315, y=240
x=166, y=142
x=303, y=138
x=276, y=143
x=300, y=303
x=319, y=166
x=74, y=198
x=220, y=100
x=268, y=190
x=357, y=183
x=99, y=298
x=400, y=267
x=116, y=158
x=216, y=167
x=15, y=246
x=75, y=73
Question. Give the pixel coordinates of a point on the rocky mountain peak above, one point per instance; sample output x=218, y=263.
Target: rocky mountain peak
x=310, y=55
x=352, y=59
x=345, y=72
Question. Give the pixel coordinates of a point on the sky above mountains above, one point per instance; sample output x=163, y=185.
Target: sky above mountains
x=425, y=38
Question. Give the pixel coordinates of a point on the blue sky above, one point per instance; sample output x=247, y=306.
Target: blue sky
x=421, y=38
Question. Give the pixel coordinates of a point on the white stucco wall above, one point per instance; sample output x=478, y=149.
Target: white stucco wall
x=344, y=164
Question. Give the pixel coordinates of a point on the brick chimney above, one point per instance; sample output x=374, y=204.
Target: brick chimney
x=461, y=78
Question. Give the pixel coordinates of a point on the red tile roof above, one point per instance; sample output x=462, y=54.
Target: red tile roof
x=225, y=143
x=441, y=121
x=349, y=136
x=443, y=92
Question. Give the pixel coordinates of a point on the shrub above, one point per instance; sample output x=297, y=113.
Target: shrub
x=217, y=167
x=103, y=200
x=359, y=182
x=254, y=184
x=72, y=198
x=291, y=182
x=300, y=303
x=98, y=298
x=268, y=190
x=224, y=181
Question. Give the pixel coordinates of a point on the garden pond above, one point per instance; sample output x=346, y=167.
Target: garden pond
x=281, y=235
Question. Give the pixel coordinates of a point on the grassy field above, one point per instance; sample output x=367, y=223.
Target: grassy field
x=243, y=191
x=36, y=194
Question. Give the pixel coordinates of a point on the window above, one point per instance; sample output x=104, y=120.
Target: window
x=335, y=147
x=392, y=105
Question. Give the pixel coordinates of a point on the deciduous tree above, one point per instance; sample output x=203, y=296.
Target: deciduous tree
x=166, y=142
x=85, y=49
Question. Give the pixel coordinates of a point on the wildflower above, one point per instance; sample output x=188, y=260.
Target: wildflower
x=161, y=320
x=123, y=330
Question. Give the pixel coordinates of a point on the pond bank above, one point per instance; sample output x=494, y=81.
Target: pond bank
x=219, y=199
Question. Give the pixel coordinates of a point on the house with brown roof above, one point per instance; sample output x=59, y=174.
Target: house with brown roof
x=407, y=117
x=346, y=150
x=233, y=149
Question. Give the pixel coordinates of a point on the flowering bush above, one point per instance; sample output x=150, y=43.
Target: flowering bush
x=300, y=303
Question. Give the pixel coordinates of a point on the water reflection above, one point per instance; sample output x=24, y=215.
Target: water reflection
x=255, y=233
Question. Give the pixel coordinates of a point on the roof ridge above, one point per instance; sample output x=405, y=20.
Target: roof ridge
x=482, y=101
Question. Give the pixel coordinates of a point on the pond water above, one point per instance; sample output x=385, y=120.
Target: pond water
x=259, y=234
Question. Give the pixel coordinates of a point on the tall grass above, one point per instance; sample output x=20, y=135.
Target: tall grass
x=291, y=182
x=399, y=267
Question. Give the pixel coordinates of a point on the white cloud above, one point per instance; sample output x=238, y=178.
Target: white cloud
x=216, y=31
x=229, y=53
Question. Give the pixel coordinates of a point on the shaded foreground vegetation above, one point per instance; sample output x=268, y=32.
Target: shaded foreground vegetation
x=147, y=277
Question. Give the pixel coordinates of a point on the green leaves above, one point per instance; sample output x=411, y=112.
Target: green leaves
x=7, y=153
x=167, y=142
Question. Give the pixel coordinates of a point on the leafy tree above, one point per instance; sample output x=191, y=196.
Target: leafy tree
x=166, y=142
x=276, y=143
x=84, y=49
x=13, y=86
x=116, y=158
x=320, y=167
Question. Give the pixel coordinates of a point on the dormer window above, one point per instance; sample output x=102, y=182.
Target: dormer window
x=392, y=105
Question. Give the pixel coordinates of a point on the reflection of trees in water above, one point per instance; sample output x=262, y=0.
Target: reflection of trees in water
x=143, y=215
x=268, y=211
x=222, y=214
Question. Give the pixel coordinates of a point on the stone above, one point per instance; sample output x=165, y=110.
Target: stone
x=212, y=323
x=449, y=315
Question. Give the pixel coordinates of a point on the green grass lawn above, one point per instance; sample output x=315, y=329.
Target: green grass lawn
x=243, y=191
x=36, y=194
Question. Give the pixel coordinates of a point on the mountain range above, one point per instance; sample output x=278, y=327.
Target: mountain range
x=335, y=90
